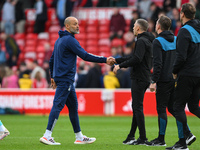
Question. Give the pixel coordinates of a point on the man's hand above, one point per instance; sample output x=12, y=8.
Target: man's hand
x=53, y=84
x=152, y=87
x=110, y=61
x=174, y=76
x=116, y=68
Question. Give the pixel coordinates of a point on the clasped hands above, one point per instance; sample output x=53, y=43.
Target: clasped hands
x=111, y=61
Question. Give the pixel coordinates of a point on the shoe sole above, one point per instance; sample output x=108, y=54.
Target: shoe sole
x=189, y=142
x=128, y=143
x=84, y=142
x=180, y=149
x=159, y=145
x=4, y=135
x=47, y=143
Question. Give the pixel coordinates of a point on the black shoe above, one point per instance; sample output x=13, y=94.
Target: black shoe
x=190, y=139
x=129, y=140
x=157, y=142
x=177, y=146
x=141, y=142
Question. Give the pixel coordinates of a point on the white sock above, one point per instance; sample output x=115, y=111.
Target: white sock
x=2, y=128
x=47, y=134
x=79, y=135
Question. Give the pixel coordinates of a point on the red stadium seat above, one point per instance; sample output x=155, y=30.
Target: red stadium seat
x=20, y=42
x=92, y=49
x=82, y=43
x=91, y=43
x=104, y=22
x=40, y=49
x=19, y=36
x=105, y=42
x=128, y=22
x=40, y=55
x=91, y=22
x=31, y=36
x=41, y=42
x=104, y=49
x=104, y=35
x=82, y=23
x=43, y=36
x=53, y=36
x=29, y=29
x=29, y=49
x=30, y=55
x=117, y=42
x=81, y=29
x=54, y=28
x=104, y=29
x=91, y=29
x=80, y=36
x=92, y=36
x=31, y=43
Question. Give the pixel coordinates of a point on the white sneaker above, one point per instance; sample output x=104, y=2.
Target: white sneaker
x=48, y=142
x=85, y=140
x=4, y=134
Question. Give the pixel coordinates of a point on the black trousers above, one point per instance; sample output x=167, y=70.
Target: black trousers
x=165, y=99
x=186, y=92
x=138, y=89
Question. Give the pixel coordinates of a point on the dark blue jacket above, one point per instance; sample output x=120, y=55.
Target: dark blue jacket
x=63, y=60
x=164, y=53
x=187, y=62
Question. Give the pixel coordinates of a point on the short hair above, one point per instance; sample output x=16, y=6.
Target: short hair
x=189, y=10
x=143, y=24
x=67, y=21
x=165, y=22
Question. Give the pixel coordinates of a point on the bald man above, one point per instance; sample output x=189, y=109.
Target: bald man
x=63, y=68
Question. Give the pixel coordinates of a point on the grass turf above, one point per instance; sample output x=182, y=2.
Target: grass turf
x=109, y=132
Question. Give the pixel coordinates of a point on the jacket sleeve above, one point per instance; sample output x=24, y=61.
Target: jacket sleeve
x=182, y=44
x=51, y=62
x=78, y=50
x=136, y=57
x=122, y=59
x=157, y=60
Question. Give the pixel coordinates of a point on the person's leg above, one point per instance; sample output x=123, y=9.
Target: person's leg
x=138, y=91
x=131, y=136
x=3, y=131
x=163, y=93
x=134, y=121
x=193, y=103
x=72, y=105
x=60, y=99
x=182, y=94
x=171, y=110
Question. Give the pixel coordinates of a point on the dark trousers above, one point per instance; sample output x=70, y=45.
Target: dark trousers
x=138, y=89
x=165, y=99
x=186, y=91
x=39, y=26
x=65, y=95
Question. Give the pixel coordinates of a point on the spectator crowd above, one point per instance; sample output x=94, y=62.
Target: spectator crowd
x=34, y=71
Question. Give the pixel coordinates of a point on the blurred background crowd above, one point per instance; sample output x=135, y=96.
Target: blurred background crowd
x=26, y=47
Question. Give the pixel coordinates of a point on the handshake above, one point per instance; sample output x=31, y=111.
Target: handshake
x=111, y=61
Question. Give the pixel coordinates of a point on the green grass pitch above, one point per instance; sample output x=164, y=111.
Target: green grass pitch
x=109, y=132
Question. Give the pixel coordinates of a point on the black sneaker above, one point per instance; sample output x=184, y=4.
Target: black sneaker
x=141, y=142
x=178, y=146
x=190, y=139
x=157, y=142
x=129, y=140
